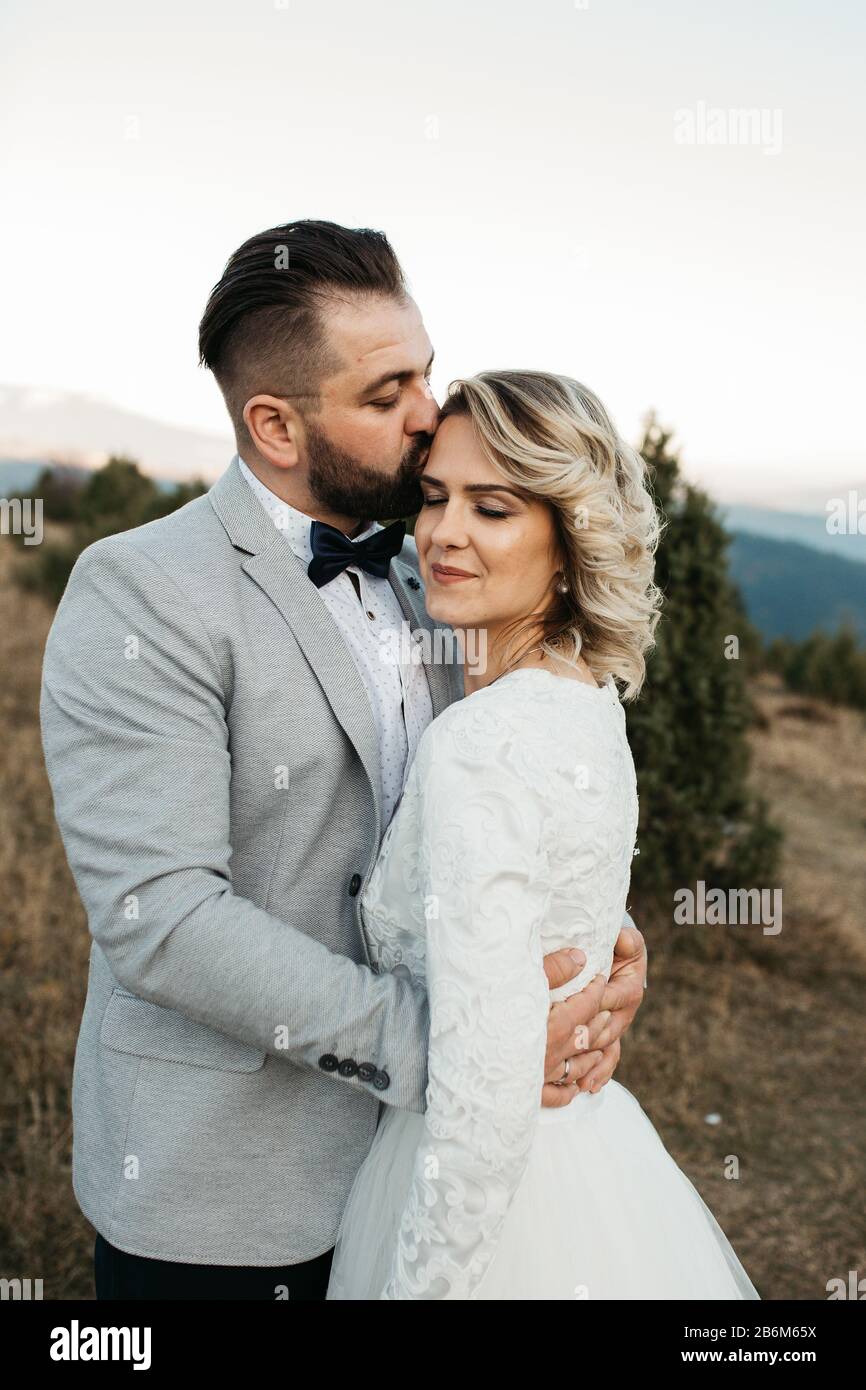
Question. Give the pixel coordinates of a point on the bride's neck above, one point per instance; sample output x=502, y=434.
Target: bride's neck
x=485, y=659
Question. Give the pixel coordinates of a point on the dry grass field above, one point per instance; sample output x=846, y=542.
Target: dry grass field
x=769, y=1031
x=766, y=1032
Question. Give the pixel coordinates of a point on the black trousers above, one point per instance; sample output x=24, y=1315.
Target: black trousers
x=120, y=1275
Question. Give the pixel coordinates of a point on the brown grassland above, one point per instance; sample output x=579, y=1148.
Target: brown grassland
x=767, y=1032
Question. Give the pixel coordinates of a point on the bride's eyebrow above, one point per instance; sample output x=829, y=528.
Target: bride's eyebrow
x=493, y=487
x=474, y=487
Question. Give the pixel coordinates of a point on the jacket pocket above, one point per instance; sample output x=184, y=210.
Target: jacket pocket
x=135, y=1025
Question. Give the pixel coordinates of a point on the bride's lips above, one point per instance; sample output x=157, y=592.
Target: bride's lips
x=447, y=574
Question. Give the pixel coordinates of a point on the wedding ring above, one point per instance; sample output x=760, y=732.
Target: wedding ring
x=564, y=1078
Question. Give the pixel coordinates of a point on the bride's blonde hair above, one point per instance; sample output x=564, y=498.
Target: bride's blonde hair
x=552, y=437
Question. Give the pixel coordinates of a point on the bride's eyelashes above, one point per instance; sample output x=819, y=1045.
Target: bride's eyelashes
x=482, y=511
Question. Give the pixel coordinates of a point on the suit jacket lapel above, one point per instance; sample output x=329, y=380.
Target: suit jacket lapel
x=273, y=565
x=440, y=675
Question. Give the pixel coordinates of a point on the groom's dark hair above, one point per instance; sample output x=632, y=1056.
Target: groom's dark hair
x=262, y=330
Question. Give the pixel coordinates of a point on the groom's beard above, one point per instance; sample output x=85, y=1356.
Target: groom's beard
x=344, y=485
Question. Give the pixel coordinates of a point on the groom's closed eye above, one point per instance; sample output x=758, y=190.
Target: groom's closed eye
x=398, y=379
x=391, y=401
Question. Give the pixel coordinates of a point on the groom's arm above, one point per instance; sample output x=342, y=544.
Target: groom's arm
x=136, y=745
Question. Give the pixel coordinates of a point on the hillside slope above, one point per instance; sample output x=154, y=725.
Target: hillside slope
x=791, y=589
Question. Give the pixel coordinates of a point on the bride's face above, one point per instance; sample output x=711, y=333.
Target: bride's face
x=499, y=542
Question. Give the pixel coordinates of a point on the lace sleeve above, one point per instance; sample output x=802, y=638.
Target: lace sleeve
x=479, y=835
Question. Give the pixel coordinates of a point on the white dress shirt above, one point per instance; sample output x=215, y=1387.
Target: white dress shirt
x=397, y=689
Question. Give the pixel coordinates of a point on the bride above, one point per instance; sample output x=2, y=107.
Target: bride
x=514, y=836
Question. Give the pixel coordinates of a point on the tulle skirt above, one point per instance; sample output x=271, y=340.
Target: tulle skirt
x=602, y=1212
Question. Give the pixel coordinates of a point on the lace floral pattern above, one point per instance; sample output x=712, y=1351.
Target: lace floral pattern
x=514, y=837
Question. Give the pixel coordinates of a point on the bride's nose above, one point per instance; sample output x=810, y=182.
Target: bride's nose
x=450, y=528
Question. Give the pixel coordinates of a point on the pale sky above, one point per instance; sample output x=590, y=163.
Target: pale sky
x=523, y=158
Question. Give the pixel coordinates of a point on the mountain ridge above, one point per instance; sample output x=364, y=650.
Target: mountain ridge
x=791, y=589
x=39, y=424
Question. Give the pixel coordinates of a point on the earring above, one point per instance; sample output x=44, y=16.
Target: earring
x=562, y=587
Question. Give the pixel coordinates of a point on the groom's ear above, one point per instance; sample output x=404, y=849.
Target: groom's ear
x=276, y=429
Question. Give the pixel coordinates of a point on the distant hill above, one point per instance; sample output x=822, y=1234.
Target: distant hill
x=805, y=528
x=794, y=576
x=39, y=424
x=19, y=475
x=791, y=589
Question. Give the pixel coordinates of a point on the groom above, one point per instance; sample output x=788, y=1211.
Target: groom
x=226, y=744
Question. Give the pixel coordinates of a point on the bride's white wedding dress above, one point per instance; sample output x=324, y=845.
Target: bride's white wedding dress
x=514, y=837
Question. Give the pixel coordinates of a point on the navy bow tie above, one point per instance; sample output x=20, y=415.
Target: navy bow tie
x=333, y=551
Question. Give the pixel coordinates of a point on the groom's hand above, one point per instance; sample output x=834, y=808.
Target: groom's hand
x=585, y=1029
x=573, y=1028
x=622, y=998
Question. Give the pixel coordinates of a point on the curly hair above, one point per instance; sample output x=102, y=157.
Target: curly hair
x=552, y=437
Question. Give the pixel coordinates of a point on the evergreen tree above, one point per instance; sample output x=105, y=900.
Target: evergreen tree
x=165, y=502
x=60, y=490
x=698, y=818
x=832, y=668
x=116, y=497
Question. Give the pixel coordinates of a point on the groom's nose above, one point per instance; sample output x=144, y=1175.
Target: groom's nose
x=423, y=417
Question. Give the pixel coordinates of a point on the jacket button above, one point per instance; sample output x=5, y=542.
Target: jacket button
x=354, y=885
x=381, y=1081
x=366, y=1071
x=348, y=1067
x=328, y=1062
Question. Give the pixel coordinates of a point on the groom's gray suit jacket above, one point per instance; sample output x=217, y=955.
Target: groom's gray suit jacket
x=214, y=764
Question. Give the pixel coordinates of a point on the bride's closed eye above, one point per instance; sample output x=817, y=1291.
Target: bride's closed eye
x=482, y=511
